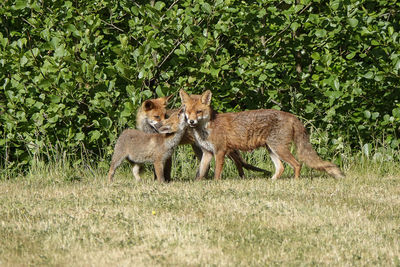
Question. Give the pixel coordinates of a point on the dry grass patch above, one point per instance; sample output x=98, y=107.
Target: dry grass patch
x=48, y=219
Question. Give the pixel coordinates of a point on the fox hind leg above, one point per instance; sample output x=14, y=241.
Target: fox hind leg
x=219, y=164
x=136, y=170
x=279, y=168
x=115, y=162
x=283, y=153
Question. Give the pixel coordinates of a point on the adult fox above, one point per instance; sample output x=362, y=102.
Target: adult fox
x=217, y=134
x=149, y=118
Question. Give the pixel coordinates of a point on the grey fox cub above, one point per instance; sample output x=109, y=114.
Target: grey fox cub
x=140, y=147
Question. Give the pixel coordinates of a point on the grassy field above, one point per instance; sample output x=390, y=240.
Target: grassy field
x=59, y=215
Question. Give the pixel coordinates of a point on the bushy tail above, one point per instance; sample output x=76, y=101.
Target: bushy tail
x=309, y=156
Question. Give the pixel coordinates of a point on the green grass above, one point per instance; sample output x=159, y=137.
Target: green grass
x=66, y=216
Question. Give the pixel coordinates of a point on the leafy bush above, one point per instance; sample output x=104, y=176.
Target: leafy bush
x=73, y=73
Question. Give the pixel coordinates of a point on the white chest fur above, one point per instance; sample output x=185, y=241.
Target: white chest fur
x=201, y=134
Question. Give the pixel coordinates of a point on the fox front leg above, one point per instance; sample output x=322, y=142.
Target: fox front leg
x=204, y=164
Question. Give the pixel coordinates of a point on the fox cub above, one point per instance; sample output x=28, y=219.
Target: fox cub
x=151, y=113
x=148, y=119
x=140, y=147
x=217, y=134
x=151, y=116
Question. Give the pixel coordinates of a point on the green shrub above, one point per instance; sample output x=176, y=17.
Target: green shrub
x=74, y=72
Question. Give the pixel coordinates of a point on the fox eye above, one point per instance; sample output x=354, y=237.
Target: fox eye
x=157, y=117
x=198, y=112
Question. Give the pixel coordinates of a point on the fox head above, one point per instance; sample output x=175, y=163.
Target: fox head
x=176, y=122
x=155, y=110
x=197, y=107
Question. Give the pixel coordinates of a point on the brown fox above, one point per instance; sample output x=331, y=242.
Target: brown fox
x=150, y=117
x=140, y=147
x=218, y=134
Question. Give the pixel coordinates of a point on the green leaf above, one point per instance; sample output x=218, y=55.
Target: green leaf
x=397, y=65
x=386, y=118
x=336, y=84
x=390, y=30
x=353, y=22
x=335, y=4
x=130, y=89
x=270, y=66
x=263, y=77
x=94, y=135
x=159, y=5
x=53, y=119
x=374, y=42
x=206, y=7
x=35, y=51
x=147, y=93
x=23, y=61
x=294, y=26
x=315, y=56
x=79, y=136
x=351, y=55
x=396, y=112
x=395, y=144
x=320, y=33
x=55, y=99
x=55, y=41
x=59, y=52
x=159, y=91
x=369, y=75
x=191, y=79
x=106, y=122
x=375, y=115
x=141, y=74
x=21, y=4
x=187, y=31
x=214, y=72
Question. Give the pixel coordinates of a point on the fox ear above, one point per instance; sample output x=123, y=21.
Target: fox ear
x=181, y=110
x=166, y=99
x=184, y=96
x=148, y=105
x=206, y=97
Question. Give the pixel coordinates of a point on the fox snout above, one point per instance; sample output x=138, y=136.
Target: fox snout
x=165, y=129
x=192, y=123
x=156, y=124
x=191, y=119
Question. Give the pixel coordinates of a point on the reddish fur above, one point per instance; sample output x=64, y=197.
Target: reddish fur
x=155, y=110
x=247, y=130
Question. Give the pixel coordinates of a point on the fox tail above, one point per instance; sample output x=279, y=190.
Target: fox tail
x=309, y=156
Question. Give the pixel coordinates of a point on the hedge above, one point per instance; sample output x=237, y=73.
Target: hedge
x=73, y=73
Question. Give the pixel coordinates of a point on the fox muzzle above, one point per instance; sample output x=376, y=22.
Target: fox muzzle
x=192, y=123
